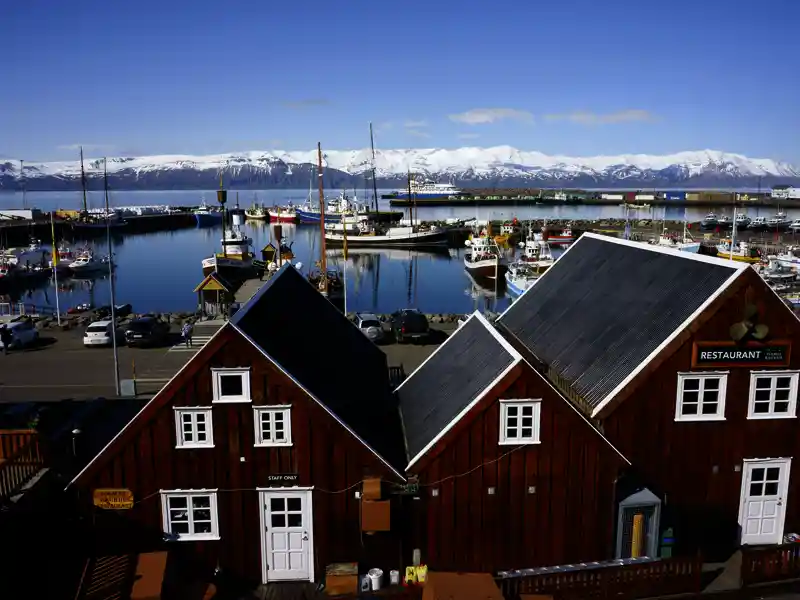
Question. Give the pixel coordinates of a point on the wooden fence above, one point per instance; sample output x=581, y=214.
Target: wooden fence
x=770, y=564
x=12, y=440
x=19, y=469
x=620, y=582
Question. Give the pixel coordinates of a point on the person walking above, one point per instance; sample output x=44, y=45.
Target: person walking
x=5, y=338
x=187, y=331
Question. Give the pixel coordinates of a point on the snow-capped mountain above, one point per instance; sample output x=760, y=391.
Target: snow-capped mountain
x=499, y=166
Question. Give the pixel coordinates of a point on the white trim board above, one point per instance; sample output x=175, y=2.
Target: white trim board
x=317, y=400
x=144, y=408
x=672, y=337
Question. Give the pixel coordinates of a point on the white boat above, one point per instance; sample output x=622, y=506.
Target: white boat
x=484, y=259
x=33, y=254
x=235, y=239
x=779, y=221
x=335, y=209
x=520, y=277
x=683, y=243
x=428, y=189
x=257, y=213
x=790, y=258
x=759, y=223
x=775, y=272
x=87, y=263
x=742, y=221
x=709, y=221
x=738, y=251
x=377, y=235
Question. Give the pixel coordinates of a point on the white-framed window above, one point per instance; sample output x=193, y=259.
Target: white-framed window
x=194, y=428
x=273, y=425
x=701, y=396
x=773, y=395
x=520, y=421
x=231, y=385
x=190, y=515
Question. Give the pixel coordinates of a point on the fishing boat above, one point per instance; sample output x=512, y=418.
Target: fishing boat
x=206, y=215
x=684, y=243
x=335, y=209
x=283, y=214
x=520, y=276
x=566, y=236
x=709, y=221
x=257, y=213
x=779, y=221
x=789, y=258
x=373, y=234
x=742, y=221
x=775, y=272
x=235, y=239
x=88, y=263
x=759, y=224
x=33, y=254
x=483, y=257
x=739, y=251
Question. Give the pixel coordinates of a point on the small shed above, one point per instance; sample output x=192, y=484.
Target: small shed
x=214, y=294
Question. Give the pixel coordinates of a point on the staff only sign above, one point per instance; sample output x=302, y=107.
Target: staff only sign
x=751, y=354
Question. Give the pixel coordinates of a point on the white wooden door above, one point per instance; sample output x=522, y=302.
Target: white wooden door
x=762, y=507
x=288, y=551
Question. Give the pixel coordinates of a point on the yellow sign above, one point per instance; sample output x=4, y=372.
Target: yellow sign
x=113, y=499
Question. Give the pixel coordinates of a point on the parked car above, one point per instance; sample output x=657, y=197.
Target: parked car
x=409, y=324
x=146, y=331
x=99, y=333
x=120, y=311
x=23, y=333
x=370, y=326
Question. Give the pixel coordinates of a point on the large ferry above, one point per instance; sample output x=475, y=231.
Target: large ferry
x=426, y=189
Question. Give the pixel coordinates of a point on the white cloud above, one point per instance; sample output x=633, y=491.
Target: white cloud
x=415, y=124
x=478, y=116
x=418, y=133
x=385, y=126
x=583, y=117
x=86, y=147
x=468, y=136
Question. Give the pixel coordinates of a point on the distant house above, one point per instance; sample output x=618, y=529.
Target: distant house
x=512, y=475
x=785, y=192
x=685, y=363
x=250, y=457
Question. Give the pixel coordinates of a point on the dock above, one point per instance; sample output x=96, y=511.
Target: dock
x=249, y=288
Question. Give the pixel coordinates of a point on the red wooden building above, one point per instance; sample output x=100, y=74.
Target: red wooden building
x=511, y=474
x=249, y=459
x=685, y=363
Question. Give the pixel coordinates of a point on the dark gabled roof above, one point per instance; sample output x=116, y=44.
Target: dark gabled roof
x=602, y=311
x=314, y=343
x=468, y=364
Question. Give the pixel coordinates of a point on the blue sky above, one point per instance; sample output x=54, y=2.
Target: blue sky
x=576, y=77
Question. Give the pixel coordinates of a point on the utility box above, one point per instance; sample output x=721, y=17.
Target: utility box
x=127, y=388
x=375, y=516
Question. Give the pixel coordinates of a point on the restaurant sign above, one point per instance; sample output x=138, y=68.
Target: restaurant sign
x=113, y=499
x=750, y=354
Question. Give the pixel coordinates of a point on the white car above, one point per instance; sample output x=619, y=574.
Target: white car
x=23, y=333
x=99, y=334
x=370, y=326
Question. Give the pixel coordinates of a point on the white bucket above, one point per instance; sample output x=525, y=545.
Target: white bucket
x=394, y=577
x=375, y=576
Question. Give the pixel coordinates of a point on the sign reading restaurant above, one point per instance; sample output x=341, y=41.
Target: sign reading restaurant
x=751, y=354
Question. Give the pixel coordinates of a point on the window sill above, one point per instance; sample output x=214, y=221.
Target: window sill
x=193, y=446
x=698, y=420
x=769, y=417
x=267, y=445
x=232, y=401
x=192, y=538
x=518, y=443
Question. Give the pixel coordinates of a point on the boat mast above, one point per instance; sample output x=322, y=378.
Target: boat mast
x=410, y=205
x=323, y=263
x=733, y=230
x=111, y=282
x=22, y=181
x=83, y=184
x=374, y=182
x=222, y=198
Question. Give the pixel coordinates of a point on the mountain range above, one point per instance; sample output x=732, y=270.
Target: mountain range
x=496, y=167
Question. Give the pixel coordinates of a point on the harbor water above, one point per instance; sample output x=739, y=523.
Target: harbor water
x=157, y=272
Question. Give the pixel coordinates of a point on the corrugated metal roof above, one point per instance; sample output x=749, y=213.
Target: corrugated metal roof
x=469, y=361
x=597, y=314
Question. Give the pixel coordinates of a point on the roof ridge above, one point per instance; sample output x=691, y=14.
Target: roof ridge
x=732, y=264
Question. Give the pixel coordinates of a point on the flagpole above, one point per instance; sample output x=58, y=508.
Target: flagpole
x=55, y=264
x=111, y=283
